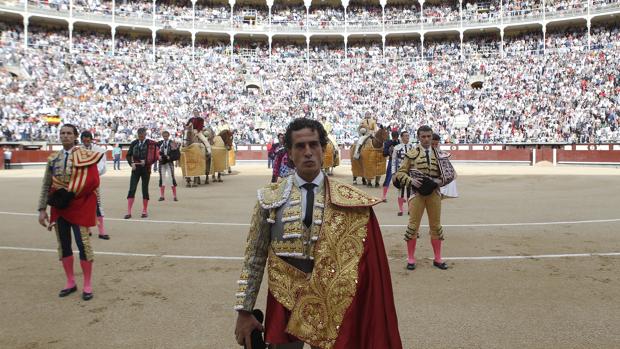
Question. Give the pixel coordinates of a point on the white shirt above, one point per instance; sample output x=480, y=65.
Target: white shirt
x=101, y=165
x=318, y=180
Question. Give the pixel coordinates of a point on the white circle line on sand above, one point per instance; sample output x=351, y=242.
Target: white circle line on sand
x=592, y=221
x=480, y=258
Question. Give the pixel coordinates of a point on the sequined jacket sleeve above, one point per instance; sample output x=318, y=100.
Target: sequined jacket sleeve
x=254, y=261
x=405, y=166
x=45, y=187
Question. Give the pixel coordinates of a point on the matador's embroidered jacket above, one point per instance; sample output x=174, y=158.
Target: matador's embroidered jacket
x=349, y=275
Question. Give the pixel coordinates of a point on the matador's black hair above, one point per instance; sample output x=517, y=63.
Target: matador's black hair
x=301, y=123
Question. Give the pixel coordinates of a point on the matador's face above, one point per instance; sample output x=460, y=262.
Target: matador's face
x=306, y=153
x=425, y=138
x=67, y=137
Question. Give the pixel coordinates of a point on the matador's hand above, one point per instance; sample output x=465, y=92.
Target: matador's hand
x=43, y=218
x=246, y=323
x=405, y=182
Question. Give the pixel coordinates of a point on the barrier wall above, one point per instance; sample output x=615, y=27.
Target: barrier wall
x=556, y=154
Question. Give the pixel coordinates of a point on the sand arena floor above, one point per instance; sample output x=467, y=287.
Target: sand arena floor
x=534, y=255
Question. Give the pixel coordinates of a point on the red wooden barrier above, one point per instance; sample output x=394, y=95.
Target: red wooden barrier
x=492, y=153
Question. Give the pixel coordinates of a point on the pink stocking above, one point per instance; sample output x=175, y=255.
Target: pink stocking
x=401, y=201
x=100, y=226
x=174, y=191
x=162, y=190
x=436, y=243
x=129, y=205
x=145, y=205
x=411, y=250
x=87, y=269
x=67, y=265
x=385, y=190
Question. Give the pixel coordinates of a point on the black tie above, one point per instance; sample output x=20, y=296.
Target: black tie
x=66, y=159
x=428, y=159
x=309, y=203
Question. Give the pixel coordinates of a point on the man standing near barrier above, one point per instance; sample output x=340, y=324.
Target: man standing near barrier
x=426, y=171
x=116, y=155
x=141, y=155
x=8, y=155
x=328, y=278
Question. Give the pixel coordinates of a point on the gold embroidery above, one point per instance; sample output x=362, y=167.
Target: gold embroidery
x=291, y=211
x=293, y=227
x=284, y=280
x=318, y=303
x=321, y=306
x=317, y=214
x=88, y=250
x=295, y=193
x=294, y=246
x=273, y=194
x=255, y=259
x=347, y=196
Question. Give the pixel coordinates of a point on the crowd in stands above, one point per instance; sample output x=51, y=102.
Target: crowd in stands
x=364, y=16
x=566, y=95
x=288, y=16
x=175, y=12
x=403, y=14
x=250, y=16
x=444, y=13
x=481, y=11
x=522, y=8
x=324, y=17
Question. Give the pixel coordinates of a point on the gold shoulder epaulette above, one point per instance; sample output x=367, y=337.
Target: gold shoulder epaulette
x=345, y=195
x=275, y=194
x=53, y=156
x=413, y=153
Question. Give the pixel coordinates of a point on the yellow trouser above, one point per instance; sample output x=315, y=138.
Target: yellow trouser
x=432, y=204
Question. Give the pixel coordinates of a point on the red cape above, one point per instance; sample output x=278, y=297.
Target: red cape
x=370, y=322
x=83, y=208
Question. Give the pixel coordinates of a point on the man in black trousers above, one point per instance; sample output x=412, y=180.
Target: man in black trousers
x=141, y=155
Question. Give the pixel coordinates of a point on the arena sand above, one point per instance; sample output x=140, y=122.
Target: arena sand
x=157, y=300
